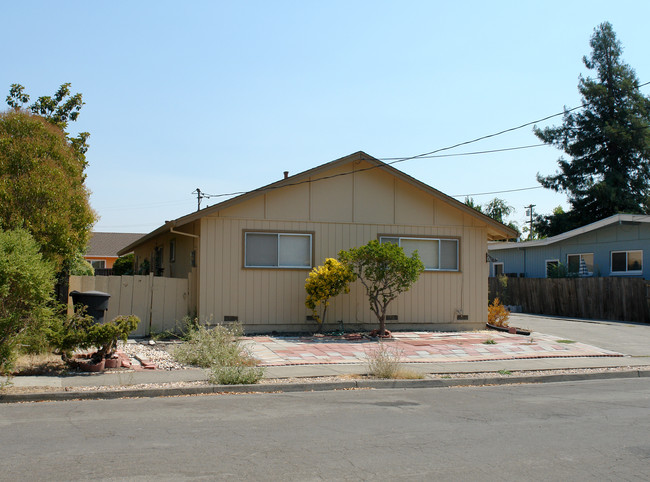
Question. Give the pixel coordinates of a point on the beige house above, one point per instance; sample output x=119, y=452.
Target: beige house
x=248, y=257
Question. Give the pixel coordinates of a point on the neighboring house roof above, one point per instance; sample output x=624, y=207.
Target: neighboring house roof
x=108, y=244
x=616, y=219
x=496, y=229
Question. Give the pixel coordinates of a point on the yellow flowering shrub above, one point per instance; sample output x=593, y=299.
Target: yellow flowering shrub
x=325, y=282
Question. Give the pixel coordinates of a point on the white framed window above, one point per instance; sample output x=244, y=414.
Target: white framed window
x=498, y=269
x=98, y=264
x=581, y=264
x=277, y=250
x=551, y=266
x=436, y=254
x=626, y=262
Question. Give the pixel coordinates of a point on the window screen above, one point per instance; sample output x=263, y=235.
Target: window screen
x=436, y=254
x=277, y=250
x=295, y=251
x=261, y=249
x=428, y=250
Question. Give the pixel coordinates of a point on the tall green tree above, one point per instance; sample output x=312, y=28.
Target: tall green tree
x=497, y=209
x=60, y=110
x=607, y=143
x=42, y=186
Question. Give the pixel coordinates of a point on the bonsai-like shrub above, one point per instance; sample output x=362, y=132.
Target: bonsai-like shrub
x=385, y=271
x=80, y=332
x=106, y=335
x=325, y=282
x=498, y=314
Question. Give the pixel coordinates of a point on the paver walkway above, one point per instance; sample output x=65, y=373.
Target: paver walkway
x=416, y=347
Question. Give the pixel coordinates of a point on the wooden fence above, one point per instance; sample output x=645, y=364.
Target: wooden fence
x=611, y=298
x=160, y=303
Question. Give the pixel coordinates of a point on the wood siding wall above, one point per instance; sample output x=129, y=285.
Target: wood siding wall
x=624, y=299
x=273, y=299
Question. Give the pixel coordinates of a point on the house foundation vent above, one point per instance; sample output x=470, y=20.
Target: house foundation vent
x=392, y=317
x=230, y=318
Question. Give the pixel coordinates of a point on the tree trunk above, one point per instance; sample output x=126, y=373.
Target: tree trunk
x=382, y=324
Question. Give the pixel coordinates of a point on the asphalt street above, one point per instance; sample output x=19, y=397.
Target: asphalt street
x=590, y=430
x=629, y=338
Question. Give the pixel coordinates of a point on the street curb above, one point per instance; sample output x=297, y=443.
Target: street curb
x=315, y=386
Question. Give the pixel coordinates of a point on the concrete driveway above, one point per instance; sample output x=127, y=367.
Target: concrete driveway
x=628, y=338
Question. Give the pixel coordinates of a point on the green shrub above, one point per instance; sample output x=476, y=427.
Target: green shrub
x=106, y=335
x=26, y=285
x=221, y=350
x=235, y=375
x=123, y=266
x=79, y=266
x=80, y=332
x=205, y=347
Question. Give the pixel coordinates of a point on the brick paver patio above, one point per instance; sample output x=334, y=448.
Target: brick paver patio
x=416, y=347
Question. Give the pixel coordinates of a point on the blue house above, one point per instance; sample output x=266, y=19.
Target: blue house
x=615, y=246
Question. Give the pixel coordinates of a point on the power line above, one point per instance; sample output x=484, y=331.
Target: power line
x=424, y=155
x=498, y=192
x=468, y=153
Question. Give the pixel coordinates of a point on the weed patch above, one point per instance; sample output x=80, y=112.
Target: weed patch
x=219, y=349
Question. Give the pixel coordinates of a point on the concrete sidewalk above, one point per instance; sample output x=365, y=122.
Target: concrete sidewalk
x=428, y=353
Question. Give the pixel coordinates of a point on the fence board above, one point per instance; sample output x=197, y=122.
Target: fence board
x=612, y=298
x=158, y=302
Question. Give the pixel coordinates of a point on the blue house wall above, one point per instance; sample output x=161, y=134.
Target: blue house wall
x=531, y=260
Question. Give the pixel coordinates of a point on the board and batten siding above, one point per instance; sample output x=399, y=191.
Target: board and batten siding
x=342, y=211
x=273, y=299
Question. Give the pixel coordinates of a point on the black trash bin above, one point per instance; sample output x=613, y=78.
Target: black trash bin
x=96, y=303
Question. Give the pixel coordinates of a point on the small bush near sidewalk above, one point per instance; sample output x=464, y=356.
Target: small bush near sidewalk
x=235, y=375
x=220, y=349
x=385, y=362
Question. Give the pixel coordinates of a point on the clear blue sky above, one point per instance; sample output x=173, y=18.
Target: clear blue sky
x=225, y=96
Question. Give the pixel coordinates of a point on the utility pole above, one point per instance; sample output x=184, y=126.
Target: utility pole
x=199, y=196
x=529, y=212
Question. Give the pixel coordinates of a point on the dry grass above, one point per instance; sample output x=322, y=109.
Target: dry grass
x=384, y=362
x=41, y=364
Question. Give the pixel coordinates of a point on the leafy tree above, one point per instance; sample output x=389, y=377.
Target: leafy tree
x=123, y=265
x=607, y=142
x=58, y=110
x=26, y=281
x=497, y=209
x=325, y=282
x=385, y=271
x=42, y=186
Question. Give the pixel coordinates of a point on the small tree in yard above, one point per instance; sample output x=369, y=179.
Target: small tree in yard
x=325, y=282
x=385, y=271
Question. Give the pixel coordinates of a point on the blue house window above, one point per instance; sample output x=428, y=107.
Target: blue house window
x=580, y=264
x=627, y=262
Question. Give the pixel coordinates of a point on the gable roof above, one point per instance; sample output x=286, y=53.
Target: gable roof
x=108, y=244
x=495, y=229
x=615, y=219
